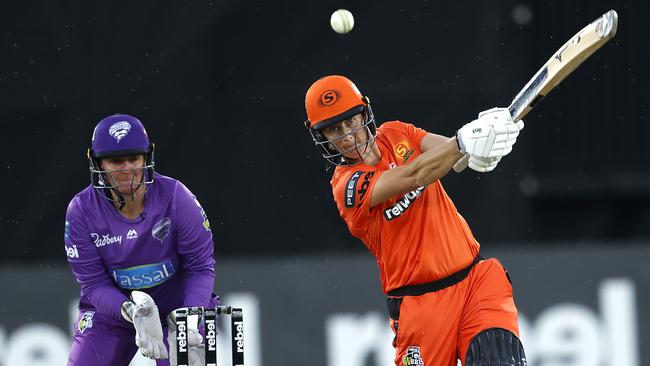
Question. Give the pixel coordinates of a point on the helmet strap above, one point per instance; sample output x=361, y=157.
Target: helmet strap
x=121, y=200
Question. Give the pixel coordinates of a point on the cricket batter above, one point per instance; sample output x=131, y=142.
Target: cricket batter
x=139, y=245
x=445, y=301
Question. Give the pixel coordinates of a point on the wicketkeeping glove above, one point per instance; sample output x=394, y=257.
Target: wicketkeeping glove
x=142, y=311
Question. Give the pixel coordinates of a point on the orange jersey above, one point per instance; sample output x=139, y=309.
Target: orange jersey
x=417, y=237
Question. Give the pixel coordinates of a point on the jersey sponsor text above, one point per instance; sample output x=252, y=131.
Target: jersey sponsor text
x=145, y=276
x=106, y=239
x=402, y=205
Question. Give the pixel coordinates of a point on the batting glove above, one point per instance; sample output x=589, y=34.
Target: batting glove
x=483, y=165
x=491, y=135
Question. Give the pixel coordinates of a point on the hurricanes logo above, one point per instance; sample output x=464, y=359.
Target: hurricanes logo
x=119, y=130
x=329, y=97
x=161, y=229
x=86, y=321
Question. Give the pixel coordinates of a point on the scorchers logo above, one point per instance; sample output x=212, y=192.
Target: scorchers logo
x=403, y=151
x=402, y=205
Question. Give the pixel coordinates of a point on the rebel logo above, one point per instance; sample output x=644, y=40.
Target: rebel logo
x=181, y=337
x=329, y=97
x=211, y=334
x=72, y=252
x=239, y=336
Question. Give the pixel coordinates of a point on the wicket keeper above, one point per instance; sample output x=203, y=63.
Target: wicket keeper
x=139, y=244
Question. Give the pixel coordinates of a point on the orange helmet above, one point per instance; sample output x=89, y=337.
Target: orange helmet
x=330, y=100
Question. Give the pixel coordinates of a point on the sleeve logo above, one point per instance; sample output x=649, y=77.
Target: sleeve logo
x=350, y=188
x=206, y=222
x=364, y=186
x=72, y=252
x=66, y=231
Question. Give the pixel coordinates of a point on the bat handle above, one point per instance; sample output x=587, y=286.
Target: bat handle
x=461, y=164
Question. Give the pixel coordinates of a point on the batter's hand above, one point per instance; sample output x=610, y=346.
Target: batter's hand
x=491, y=135
x=483, y=165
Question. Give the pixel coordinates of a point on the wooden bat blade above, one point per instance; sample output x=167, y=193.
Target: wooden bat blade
x=563, y=62
x=566, y=59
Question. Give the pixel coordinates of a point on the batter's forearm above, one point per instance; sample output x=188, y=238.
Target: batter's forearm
x=436, y=163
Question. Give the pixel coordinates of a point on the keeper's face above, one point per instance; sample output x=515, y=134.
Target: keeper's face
x=124, y=172
x=348, y=137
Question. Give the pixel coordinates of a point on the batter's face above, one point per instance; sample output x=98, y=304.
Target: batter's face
x=124, y=172
x=349, y=136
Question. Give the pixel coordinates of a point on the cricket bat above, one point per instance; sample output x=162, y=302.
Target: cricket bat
x=566, y=59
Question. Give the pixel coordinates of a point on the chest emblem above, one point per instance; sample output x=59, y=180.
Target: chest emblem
x=161, y=229
x=403, y=151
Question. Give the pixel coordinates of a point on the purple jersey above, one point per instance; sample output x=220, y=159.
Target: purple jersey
x=167, y=251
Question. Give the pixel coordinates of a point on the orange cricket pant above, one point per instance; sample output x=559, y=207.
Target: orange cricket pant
x=443, y=323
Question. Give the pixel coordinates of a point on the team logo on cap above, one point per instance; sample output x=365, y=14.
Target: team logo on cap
x=329, y=97
x=119, y=130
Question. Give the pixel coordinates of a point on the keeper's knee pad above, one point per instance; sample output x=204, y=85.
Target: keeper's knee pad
x=495, y=347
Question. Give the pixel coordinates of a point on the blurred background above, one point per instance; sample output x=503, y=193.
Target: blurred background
x=220, y=86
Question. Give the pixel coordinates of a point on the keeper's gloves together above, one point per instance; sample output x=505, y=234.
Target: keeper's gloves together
x=142, y=311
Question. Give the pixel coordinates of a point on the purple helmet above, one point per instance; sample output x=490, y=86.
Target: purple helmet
x=119, y=135
x=115, y=136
